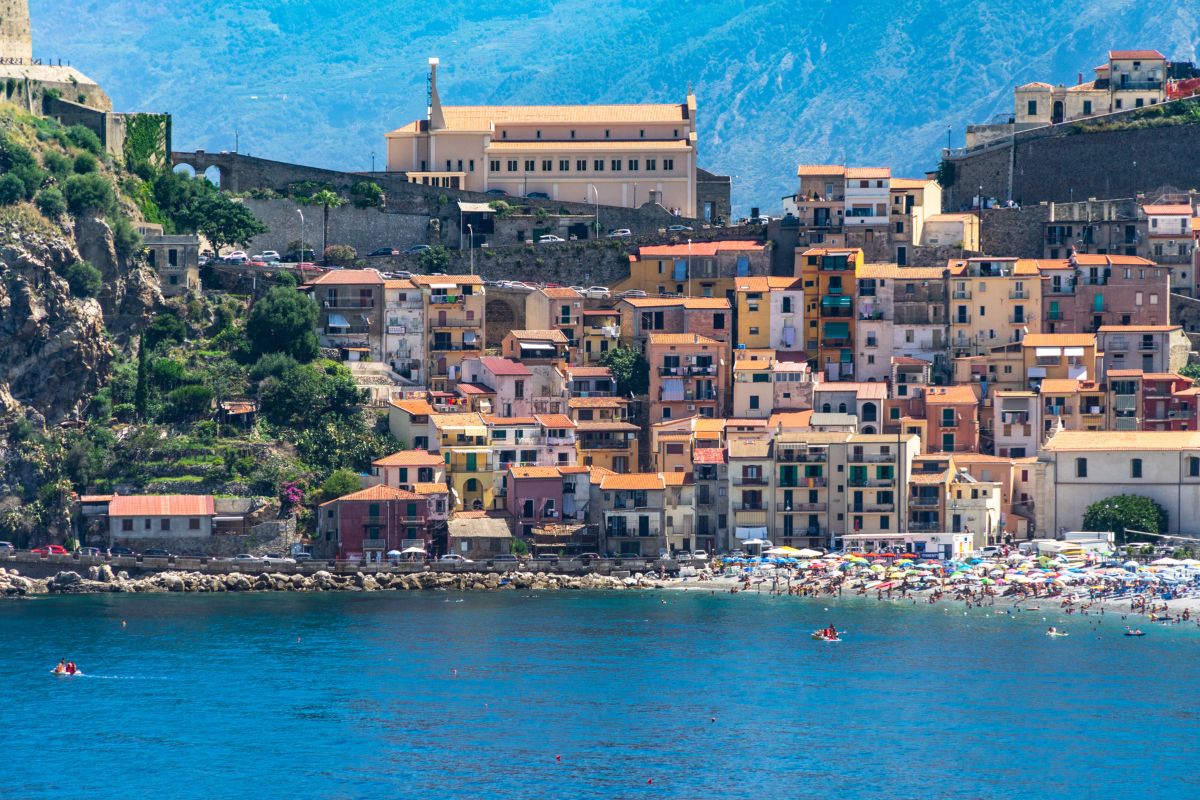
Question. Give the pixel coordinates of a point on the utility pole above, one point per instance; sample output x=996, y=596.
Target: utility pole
x=471, y=246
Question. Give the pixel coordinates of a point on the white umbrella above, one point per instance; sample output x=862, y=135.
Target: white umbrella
x=410, y=551
x=806, y=553
x=1166, y=562
x=393, y=553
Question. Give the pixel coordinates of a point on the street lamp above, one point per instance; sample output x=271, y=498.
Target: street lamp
x=592, y=188
x=689, y=267
x=301, y=213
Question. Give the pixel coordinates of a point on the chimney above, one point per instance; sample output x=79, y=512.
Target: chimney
x=1079, y=80
x=434, y=113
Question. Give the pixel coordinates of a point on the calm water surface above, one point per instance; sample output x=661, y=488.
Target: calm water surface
x=437, y=695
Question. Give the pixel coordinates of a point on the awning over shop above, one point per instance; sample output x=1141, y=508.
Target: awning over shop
x=750, y=533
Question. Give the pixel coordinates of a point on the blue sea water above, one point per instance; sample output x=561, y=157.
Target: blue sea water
x=476, y=695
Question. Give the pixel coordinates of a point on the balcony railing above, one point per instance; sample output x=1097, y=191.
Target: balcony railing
x=349, y=330
x=443, y=299
x=1018, y=294
x=454, y=346
x=748, y=480
x=801, y=457
x=1137, y=86
x=962, y=294
x=924, y=502
x=805, y=507
x=348, y=302
x=759, y=506
x=453, y=323
x=871, y=458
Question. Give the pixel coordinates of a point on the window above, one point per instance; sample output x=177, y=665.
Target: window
x=512, y=165
x=193, y=523
x=1135, y=468
x=651, y=165
x=899, y=227
x=718, y=322
x=547, y=165
x=519, y=389
x=1031, y=108
x=616, y=165
x=127, y=524
x=633, y=165
x=580, y=165
x=530, y=165
x=1193, y=467
x=668, y=164
x=494, y=165
x=173, y=257
x=471, y=165
x=164, y=524
x=948, y=417
x=1081, y=468
x=598, y=165
x=564, y=165
x=787, y=305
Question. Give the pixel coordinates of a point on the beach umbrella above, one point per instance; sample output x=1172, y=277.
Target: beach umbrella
x=804, y=552
x=987, y=581
x=1166, y=562
x=396, y=553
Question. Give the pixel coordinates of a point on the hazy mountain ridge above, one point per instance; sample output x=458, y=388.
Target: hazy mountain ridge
x=778, y=82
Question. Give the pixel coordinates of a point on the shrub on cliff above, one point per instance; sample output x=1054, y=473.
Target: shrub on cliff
x=189, y=402
x=12, y=190
x=89, y=193
x=341, y=254
x=85, y=163
x=57, y=164
x=51, y=203
x=435, y=259
x=340, y=482
x=85, y=139
x=166, y=328
x=366, y=194
x=84, y=279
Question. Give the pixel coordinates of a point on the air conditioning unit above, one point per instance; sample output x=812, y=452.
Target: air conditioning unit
x=691, y=408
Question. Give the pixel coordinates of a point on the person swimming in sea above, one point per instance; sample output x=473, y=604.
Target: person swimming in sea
x=61, y=669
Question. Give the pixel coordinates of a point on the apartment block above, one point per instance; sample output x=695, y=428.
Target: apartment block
x=829, y=298
x=454, y=308
x=688, y=375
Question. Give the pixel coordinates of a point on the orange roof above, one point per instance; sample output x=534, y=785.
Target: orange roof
x=1139, y=328
x=535, y=472
x=1088, y=260
x=551, y=334
x=96, y=498
x=342, y=277
x=643, y=481
x=714, y=424
x=767, y=283
x=561, y=292
x=555, y=420
x=162, y=505
x=928, y=477
x=398, y=284
x=1168, y=209
x=708, y=455
x=381, y=492
x=868, y=172
x=682, y=338
x=409, y=458
x=1125, y=373
x=496, y=419
x=597, y=402
x=958, y=393
x=910, y=183
x=458, y=280
x=677, y=478
x=1060, y=386
x=899, y=273
x=699, y=248
x=590, y=372
x=431, y=488
x=1059, y=340
x=812, y=170
x=573, y=469
x=706, y=302
x=652, y=302
x=791, y=419
x=1035, y=85
x=1148, y=55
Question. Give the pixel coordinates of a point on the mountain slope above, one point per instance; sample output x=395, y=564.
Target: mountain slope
x=778, y=82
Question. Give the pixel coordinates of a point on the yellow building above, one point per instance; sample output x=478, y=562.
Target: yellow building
x=604, y=436
x=613, y=155
x=993, y=301
x=599, y=333
x=770, y=312
x=695, y=269
x=462, y=440
x=454, y=317
x=829, y=301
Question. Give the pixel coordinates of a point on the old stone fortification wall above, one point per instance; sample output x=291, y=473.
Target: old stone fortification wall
x=1059, y=162
x=1014, y=231
x=935, y=255
x=364, y=229
x=16, y=40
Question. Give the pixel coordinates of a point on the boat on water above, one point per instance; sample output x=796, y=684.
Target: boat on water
x=1134, y=633
x=822, y=636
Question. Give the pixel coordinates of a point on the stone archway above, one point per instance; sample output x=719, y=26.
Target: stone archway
x=504, y=312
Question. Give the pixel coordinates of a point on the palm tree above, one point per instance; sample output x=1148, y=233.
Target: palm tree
x=327, y=199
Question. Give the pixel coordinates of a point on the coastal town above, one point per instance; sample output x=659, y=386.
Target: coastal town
x=582, y=352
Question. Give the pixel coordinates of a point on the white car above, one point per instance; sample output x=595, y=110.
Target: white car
x=270, y=255
x=454, y=558
x=596, y=293
x=550, y=238
x=620, y=233
x=277, y=558
x=700, y=555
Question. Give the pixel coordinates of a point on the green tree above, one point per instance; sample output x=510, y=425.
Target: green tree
x=284, y=322
x=326, y=199
x=51, y=203
x=1126, y=512
x=435, y=259
x=1191, y=371
x=340, y=254
x=340, y=482
x=12, y=190
x=302, y=394
x=366, y=194
x=141, y=393
x=224, y=222
x=59, y=165
x=190, y=402
x=126, y=239
x=84, y=279
x=630, y=370
x=342, y=443
x=85, y=139
x=89, y=193
x=164, y=328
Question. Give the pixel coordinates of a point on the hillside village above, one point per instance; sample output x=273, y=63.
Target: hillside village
x=543, y=330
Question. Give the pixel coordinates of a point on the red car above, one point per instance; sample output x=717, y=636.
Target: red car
x=51, y=550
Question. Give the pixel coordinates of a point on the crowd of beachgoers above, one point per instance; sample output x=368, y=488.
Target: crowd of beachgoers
x=1166, y=590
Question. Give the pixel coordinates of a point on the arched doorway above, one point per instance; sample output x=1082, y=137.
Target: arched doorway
x=473, y=495
x=869, y=412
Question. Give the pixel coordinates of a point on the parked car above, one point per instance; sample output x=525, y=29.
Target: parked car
x=50, y=550
x=89, y=551
x=538, y=196
x=303, y=557
x=497, y=193
x=417, y=248
x=596, y=293
x=589, y=556
x=383, y=251
x=989, y=552
x=278, y=558
x=550, y=238
x=120, y=550
x=255, y=262
x=455, y=558
x=305, y=256
x=632, y=293
x=679, y=228
x=246, y=557
x=508, y=557
x=700, y=555
x=270, y=255
x=7, y=549
x=620, y=233
x=157, y=552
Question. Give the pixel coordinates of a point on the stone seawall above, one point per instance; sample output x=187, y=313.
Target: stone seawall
x=102, y=580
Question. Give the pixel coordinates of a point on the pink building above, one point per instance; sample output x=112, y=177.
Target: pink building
x=1083, y=293
x=535, y=498
x=368, y=524
x=511, y=381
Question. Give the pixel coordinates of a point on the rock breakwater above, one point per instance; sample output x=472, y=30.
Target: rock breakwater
x=102, y=579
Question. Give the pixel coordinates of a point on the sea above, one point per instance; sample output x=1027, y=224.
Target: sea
x=586, y=695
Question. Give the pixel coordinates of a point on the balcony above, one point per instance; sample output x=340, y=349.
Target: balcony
x=745, y=480
x=1137, y=86
x=962, y=294
x=759, y=506
x=871, y=483
x=1059, y=411
x=796, y=508
x=348, y=330
x=454, y=346
x=924, y=527
x=923, y=501
x=1147, y=346
x=435, y=324
x=1021, y=319
x=871, y=458
x=446, y=299
x=1018, y=294
x=803, y=457
x=374, y=544
x=1177, y=414
x=961, y=319
x=351, y=303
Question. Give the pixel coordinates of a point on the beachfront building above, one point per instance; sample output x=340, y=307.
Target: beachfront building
x=406, y=468
x=165, y=520
x=630, y=511
x=695, y=269
x=687, y=375
x=829, y=317
x=479, y=535
x=368, y=524
x=534, y=498
x=1017, y=423
x=1078, y=468
x=710, y=473
x=463, y=442
x=679, y=513
x=751, y=493
x=613, y=155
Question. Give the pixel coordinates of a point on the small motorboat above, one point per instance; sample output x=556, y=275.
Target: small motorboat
x=821, y=636
x=1134, y=633
x=64, y=674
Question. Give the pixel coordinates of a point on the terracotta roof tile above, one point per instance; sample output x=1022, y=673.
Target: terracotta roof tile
x=959, y=393
x=550, y=334
x=682, y=338
x=1139, y=328
x=162, y=505
x=555, y=420
x=504, y=366
x=708, y=455
x=348, y=277
x=561, y=293
x=816, y=170
x=1059, y=386
x=645, y=481
x=597, y=402
x=1059, y=340
x=381, y=492
x=715, y=303
x=431, y=488
x=410, y=458
x=535, y=472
